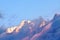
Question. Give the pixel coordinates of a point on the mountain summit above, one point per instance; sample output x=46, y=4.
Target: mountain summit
x=56, y=16
x=38, y=29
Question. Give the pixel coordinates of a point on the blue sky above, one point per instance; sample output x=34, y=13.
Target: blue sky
x=16, y=10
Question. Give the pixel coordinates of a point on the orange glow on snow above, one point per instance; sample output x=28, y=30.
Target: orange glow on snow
x=10, y=30
x=20, y=26
x=42, y=24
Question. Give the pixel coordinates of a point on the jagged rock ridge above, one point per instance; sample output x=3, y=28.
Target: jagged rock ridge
x=38, y=29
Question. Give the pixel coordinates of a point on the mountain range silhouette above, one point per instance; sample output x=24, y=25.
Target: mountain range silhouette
x=38, y=29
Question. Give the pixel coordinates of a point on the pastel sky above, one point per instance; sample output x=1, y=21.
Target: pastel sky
x=16, y=10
